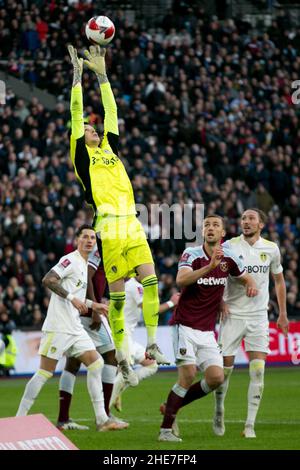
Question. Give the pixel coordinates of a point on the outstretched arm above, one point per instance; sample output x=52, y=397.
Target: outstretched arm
x=96, y=62
x=77, y=123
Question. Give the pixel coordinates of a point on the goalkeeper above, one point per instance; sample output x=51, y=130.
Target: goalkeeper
x=108, y=190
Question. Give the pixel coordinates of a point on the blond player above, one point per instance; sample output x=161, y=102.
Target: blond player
x=247, y=317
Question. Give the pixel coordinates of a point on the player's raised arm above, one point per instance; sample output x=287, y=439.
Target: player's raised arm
x=96, y=62
x=187, y=276
x=76, y=108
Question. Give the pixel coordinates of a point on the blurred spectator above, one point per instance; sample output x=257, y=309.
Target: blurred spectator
x=205, y=116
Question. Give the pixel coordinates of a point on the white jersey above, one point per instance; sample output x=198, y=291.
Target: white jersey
x=62, y=316
x=94, y=258
x=260, y=260
x=133, y=300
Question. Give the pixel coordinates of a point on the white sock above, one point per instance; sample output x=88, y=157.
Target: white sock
x=255, y=390
x=32, y=390
x=94, y=384
x=146, y=371
x=119, y=387
x=109, y=373
x=179, y=390
x=205, y=387
x=220, y=392
x=67, y=382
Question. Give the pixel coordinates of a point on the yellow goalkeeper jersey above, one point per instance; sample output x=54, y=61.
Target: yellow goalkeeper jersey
x=101, y=172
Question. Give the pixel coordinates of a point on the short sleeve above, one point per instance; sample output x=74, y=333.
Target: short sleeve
x=186, y=260
x=94, y=260
x=275, y=266
x=237, y=267
x=138, y=294
x=63, y=268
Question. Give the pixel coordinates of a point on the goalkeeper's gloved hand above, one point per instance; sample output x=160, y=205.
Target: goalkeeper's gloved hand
x=77, y=63
x=96, y=60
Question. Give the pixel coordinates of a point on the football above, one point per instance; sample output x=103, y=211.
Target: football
x=100, y=30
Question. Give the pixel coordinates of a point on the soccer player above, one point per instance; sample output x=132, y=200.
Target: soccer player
x=99, y=331
x=63, y=332
x=108, y=190
x=202, y=275
x=135, y=351
x=247, y=318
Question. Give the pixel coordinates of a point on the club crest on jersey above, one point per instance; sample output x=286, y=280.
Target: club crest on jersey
x=182, y=351
x=263, y=257
x=224, y=266
x=65, y=263
x=185, y=257
x=53, y=349
x=114, y=269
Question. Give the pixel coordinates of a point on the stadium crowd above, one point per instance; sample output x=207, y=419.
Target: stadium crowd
x=205, y=116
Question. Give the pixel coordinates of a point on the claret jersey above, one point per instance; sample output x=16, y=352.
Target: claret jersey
x=199, y=303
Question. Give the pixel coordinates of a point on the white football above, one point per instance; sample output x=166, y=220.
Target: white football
x=100, y=30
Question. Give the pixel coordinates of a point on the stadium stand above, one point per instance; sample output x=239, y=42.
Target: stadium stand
x=205, y=116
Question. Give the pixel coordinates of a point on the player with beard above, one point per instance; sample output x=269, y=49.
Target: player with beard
x=202, y=276
x=247, y=318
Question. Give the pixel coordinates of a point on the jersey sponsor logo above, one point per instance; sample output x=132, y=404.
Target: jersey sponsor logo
x=263, y=257
x=224, y=266
x=185, y=257
x=65, y=263
x=257, y=269
x=112, y=161
x=212, y=281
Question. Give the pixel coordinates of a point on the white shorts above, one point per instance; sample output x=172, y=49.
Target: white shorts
x=195, y=347
x=136, y=352
x=102, y=338
x=54, y=345
x=254, y=332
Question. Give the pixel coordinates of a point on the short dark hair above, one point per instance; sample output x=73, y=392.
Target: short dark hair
x=82, y=228
x=263, y=218
x=215, y=216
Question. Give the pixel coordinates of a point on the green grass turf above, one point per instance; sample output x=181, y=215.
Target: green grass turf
x=278, y=423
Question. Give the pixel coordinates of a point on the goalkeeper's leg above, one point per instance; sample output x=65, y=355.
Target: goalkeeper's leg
x=117, y=324
x=151, y=310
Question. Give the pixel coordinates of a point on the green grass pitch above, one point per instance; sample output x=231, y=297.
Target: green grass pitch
x=278, y=422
